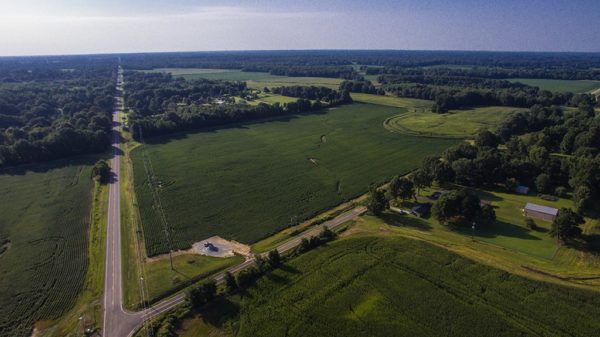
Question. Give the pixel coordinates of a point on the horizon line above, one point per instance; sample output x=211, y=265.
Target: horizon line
x=299, y=50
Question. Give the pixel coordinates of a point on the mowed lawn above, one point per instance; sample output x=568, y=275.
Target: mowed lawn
x=250, y=181
x=255, y=80
x=45, y=216
x=509, y=230
x=574, y=86
x=392, y=286
x=456, y=123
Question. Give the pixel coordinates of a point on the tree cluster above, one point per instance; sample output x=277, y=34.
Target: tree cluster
x=463, y=207
x=545, y=148
x=365, y=87
x=150, y=94
x=325, y=94
x=41, y=121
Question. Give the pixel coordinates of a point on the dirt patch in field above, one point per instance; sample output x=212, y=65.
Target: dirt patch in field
x=218, y=247
x=214, y=246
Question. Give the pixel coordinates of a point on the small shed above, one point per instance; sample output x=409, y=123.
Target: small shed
x=211, y=247
x=522, y=189
x=421, y=210
x=532, y=210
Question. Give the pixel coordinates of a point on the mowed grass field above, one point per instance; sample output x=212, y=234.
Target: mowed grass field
x=393, y=286
x=255, y=80
x=400, y=102
x=456, y=123
x=269, y=99
x=45, y=216
x=574, y=86
x=249, y=181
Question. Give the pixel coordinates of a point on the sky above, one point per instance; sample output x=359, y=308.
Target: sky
x=44, y=27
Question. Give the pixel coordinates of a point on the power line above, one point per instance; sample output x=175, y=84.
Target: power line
x=156, y=197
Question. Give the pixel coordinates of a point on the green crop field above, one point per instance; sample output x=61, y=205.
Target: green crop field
x=249, y=181
x=392, y=286
x=458, y=123
x=44, y=217
x=255, y=80
x=559, y=85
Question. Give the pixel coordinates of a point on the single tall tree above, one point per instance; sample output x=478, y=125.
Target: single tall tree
x=377, y=202
x=566, y=225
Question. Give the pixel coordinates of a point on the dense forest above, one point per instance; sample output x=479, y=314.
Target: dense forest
x=49, y=112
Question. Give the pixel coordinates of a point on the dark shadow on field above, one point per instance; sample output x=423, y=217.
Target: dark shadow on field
x=592, y=243
x=289, y=269
x=219, y=311
x=487, y=196
x=277, y=278
x=43, y=167
x=399, y=220
x=164, y=139
x=500, y=228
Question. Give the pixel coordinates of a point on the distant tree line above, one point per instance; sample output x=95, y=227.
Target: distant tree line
x=325, y=94
x=542, y=70
x=495, y=64
x=450, y=80
x=345, y=72
x=446, y=99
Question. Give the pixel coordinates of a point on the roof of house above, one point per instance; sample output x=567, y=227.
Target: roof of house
x=541, y=209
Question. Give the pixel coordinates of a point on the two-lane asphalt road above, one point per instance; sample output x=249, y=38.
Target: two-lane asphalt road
x=119, y=322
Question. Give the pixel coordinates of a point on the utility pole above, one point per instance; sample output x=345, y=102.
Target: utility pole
x=157, y=203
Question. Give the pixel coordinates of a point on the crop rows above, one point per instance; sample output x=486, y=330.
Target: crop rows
x=46, y=215
x=399, y=287
x=250, y=181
